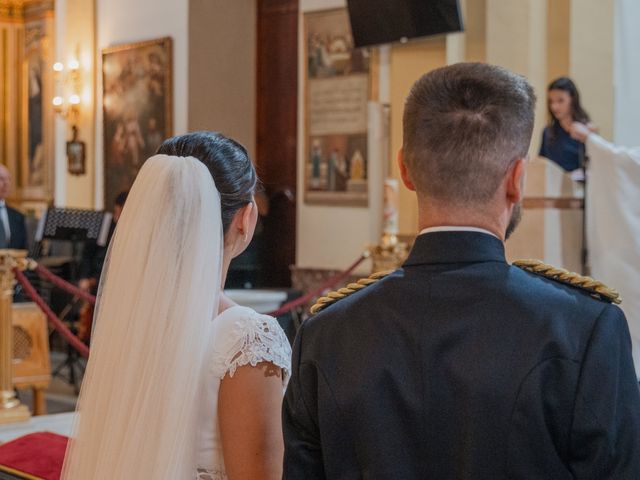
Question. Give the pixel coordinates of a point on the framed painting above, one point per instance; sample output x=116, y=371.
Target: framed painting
x=137, y=109
x=35, y=170
x=336, y=93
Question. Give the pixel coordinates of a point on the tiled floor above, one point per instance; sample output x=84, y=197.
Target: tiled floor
x=61, y=403
x=60, y=423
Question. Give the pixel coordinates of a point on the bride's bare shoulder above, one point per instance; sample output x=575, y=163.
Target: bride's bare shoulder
x=225, y=303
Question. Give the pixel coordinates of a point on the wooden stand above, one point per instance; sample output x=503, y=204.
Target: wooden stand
x=11, y=410
x=31, y=367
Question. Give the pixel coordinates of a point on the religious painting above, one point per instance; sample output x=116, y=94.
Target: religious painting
x=35, y=168
x=337, y=92
x=137, y=104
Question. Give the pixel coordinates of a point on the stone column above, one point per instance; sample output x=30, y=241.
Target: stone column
x=516, y=39
x=11, y=410
x=591, y=59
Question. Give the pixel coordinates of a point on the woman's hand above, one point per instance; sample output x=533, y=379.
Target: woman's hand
x=249, y=412
x=580, y=131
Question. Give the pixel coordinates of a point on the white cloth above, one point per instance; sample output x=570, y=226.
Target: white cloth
x=456, y=229
x=4, y=218
x=613, y=225
x=154, y=321
x=240, y=337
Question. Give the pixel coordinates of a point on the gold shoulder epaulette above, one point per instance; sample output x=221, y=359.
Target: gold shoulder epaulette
x=333, y=297
x=595, y=288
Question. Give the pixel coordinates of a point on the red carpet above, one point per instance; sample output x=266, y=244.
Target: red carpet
x=37, y=456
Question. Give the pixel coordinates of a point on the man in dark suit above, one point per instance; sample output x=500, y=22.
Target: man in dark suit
x=459, y=365
x=13, y=232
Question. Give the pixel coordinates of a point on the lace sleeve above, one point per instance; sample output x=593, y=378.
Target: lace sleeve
x=252, y=338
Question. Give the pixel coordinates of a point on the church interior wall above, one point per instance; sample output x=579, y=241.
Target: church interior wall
x=77, y=43
x=626, y=74
x=11, y=36
x=327, y=237
x=214, y=88
x=542, y=40
x=591, y=58
x=222, y=69
x=123, y=21
x=26, y=118
x=408, y=63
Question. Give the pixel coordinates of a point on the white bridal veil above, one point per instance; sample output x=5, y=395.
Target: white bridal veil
x=158, y=296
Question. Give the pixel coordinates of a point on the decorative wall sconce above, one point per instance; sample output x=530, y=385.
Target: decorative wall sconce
x=67, y=103
x=68, y=90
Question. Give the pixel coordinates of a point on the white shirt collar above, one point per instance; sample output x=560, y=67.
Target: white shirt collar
x=457, y=229
x=2, y=203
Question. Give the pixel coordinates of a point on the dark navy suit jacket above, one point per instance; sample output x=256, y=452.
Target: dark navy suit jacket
x=460, y=366
x=18, y=237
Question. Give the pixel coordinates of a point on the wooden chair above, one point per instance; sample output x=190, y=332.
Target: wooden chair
x=31, y=367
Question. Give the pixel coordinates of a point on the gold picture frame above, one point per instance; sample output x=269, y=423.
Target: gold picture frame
x=137, y=96
x=35, y=169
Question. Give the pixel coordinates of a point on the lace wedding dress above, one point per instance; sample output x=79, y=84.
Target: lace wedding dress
x=241, y=337
x=148, y=404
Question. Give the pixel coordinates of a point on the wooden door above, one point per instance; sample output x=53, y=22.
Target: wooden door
x=277, y=104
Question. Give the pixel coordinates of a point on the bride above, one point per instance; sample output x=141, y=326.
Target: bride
x=181, y=383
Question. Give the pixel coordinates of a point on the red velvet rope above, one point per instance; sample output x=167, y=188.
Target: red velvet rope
x=64, y=285
x=332, y=282
x=71, y=288
x=74, y=341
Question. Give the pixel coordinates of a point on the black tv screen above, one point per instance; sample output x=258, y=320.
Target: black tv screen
x=374, y=22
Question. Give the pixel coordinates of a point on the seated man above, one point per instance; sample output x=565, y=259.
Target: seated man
x=13, y=232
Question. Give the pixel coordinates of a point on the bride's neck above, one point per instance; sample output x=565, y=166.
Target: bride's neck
x=225, y=302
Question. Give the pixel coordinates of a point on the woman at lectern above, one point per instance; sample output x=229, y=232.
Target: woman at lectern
x=563, y=101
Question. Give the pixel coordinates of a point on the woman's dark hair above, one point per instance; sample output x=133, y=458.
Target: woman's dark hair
x=227, y=161
x=121, y=198
x=578, y=114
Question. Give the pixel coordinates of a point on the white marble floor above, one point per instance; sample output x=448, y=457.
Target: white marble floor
x=60, y=423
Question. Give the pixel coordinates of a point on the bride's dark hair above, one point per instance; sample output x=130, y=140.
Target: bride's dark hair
x=227, y=161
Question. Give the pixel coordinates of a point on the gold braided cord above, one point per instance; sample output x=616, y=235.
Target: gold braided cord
x=343, y=292
x=572, y=278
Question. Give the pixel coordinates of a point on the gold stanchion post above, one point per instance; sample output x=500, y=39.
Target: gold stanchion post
x=11, y=410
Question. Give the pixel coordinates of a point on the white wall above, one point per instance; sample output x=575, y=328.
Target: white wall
x=329, y=237
x=626, y=73
x=60, y=125
x=222, y=68
x=124, y=21
x=591, y=58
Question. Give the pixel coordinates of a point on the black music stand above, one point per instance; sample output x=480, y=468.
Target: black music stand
x=75, y=226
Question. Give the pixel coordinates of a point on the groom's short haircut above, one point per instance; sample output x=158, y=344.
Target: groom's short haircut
x=463, y=125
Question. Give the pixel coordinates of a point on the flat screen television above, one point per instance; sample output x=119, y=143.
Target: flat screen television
x=374, y=22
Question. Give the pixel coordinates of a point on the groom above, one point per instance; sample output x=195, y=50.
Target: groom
x=459, y=365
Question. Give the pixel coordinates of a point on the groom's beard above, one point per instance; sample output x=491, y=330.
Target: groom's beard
x=516, y=216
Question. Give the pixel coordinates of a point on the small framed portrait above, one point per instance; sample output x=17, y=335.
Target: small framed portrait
x=76, y=157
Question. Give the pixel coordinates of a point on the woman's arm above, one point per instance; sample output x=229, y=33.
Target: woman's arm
x=249, y=412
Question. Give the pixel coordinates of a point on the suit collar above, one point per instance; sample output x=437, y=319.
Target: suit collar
x=455, y=247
